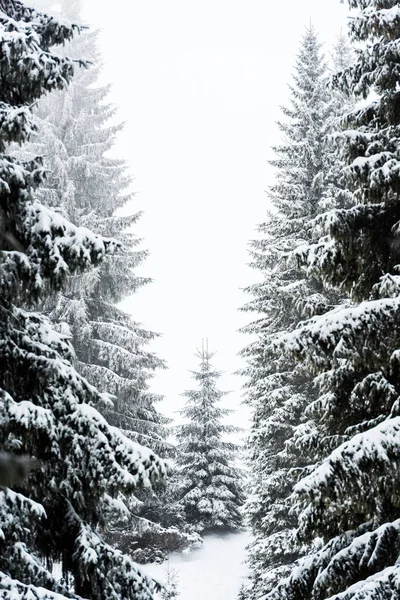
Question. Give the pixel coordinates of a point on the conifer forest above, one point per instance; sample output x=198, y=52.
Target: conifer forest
x=287, y=485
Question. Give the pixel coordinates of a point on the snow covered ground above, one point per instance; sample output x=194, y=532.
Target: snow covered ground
x=213, y=572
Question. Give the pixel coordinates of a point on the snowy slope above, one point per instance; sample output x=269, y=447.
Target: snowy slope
x=213, y=572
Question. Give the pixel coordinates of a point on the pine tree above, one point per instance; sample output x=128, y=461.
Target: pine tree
x=281, y=444
x=75, y=136
x=84, y=468
x=156, y=525
x=335, y=192
x=170, y=589
x=351, y=499
x=209, y=488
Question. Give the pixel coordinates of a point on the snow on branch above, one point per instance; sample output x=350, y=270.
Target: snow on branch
x=335, y=335
x=370, y=460
x=12, y=589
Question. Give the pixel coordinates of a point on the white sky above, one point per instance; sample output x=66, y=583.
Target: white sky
x=199, y=85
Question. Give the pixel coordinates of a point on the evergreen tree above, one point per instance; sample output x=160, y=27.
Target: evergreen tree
x=170, y=589
x=84, y=467
x=209, y=487
x=75, y=136
x=278, y=390
x=351, y=500
x=335, y=192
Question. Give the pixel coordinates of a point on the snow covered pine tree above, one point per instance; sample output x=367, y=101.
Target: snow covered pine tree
x=47, y=410
x=351, y=501
x=75, y=136
x=277, y=390
x=209, y=486
x=170, y=590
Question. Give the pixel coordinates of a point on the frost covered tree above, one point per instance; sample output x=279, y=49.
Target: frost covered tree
x=209, y=486
x=280, y=446
x=170, y=589
x=335, y=193
x=351, y=499
x=76, y=134
x=84, y=467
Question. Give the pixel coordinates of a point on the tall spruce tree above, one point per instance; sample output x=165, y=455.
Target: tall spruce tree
x=209, y=488
x=351, y=500
x=75, y=136
x=278, y=390
x=84, y=467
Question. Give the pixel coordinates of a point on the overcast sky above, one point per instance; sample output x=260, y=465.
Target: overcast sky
x=199, y=85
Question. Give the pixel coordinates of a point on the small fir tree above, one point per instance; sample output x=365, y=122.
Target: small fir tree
x=171, y=586
x=209, y=489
